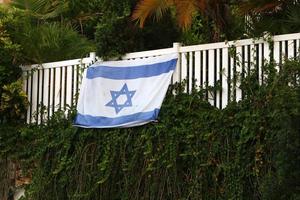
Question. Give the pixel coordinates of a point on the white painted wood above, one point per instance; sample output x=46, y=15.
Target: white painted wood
x=63, y=87
x=40, y=86
x=220, y=45
x=252, y=57
x=204, y=66
x=260, y=63
x=225, y=77
x=211, y=75
x=24, y=81
x=276, y=54
x=57, y=89
x=283, y=51
x=184, y=68
x=246, y=60
x=218, y=72
x=266, y=57
x=298, y=47
x=52, y=88
x=29, y=93
x=232, y=74
x=267, y=52
x=176, y=74
x=76, y=68
x=290, y=53
x=33, y=102
x=46, y=87
x=238, y=73
x=151, y=53
x=197, y=68
x=293, y=36
x=177, y=71
x=87, y=60
x=69, y=86
x=190, y=71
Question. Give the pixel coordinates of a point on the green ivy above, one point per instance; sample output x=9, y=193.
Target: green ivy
x=249, y=150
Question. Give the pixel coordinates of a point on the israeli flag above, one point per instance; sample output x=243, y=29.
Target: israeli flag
x=124, y=93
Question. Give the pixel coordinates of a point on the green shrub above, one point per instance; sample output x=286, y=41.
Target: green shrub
x=117, y=35
x=249, y=150
x=29, y=40
x=14, y=102
x=50, y=42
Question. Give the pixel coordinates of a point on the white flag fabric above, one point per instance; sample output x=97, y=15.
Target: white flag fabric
x=124, y=93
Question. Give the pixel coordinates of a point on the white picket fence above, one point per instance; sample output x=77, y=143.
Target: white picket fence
x=54, y=86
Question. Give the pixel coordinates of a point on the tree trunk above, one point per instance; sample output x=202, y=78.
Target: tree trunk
x=7, y=178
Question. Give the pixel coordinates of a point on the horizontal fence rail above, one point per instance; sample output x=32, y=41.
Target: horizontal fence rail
x=54, y=86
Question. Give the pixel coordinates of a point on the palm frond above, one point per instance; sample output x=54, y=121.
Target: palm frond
x=259, y=6
x=185, y=11
x=147, y=8
x=43, y=9
x=202, y=4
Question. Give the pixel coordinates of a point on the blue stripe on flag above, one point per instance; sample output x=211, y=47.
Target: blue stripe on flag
x=120, y=73
x=98, y=121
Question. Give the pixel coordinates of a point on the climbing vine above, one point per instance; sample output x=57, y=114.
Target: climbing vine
x=249, y=150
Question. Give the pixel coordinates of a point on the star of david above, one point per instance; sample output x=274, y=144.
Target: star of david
x=116, y=94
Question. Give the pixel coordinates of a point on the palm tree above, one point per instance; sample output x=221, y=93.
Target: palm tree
x=274, y=16
x=264, y=6
x=216, y=11
x=74, y=12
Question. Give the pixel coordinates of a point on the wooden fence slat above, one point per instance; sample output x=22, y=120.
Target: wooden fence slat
x=276, y=54
x=211, y=75
x=217, y=77
x=69, y=86
x=191, y=71
x=184, y=68
x=225, y=89
x=290, y=53
x=239, y=73
x=197, y=68
x=177, y=72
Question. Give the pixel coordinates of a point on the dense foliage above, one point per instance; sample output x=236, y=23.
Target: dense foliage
x=112, y=42
x=39, y=41
x=56, y=30
x=13, y=101
x=107, y=26
x=116, y=33
x=249, y=150
x=275, y=17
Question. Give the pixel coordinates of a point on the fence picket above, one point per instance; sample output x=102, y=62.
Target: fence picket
x=290, y=52
x=238, y=72
x=225, y=89
x=69, y=86
x=197, y=69
x=184, y=68
x=211, y=75
x=219, y=78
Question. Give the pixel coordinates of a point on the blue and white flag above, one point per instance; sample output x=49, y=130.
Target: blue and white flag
x=124, y=93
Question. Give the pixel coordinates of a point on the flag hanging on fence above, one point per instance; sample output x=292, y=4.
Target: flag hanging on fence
x=124, y=93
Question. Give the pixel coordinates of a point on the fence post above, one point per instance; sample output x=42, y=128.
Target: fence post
x=177, y=72
x=93, y=57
